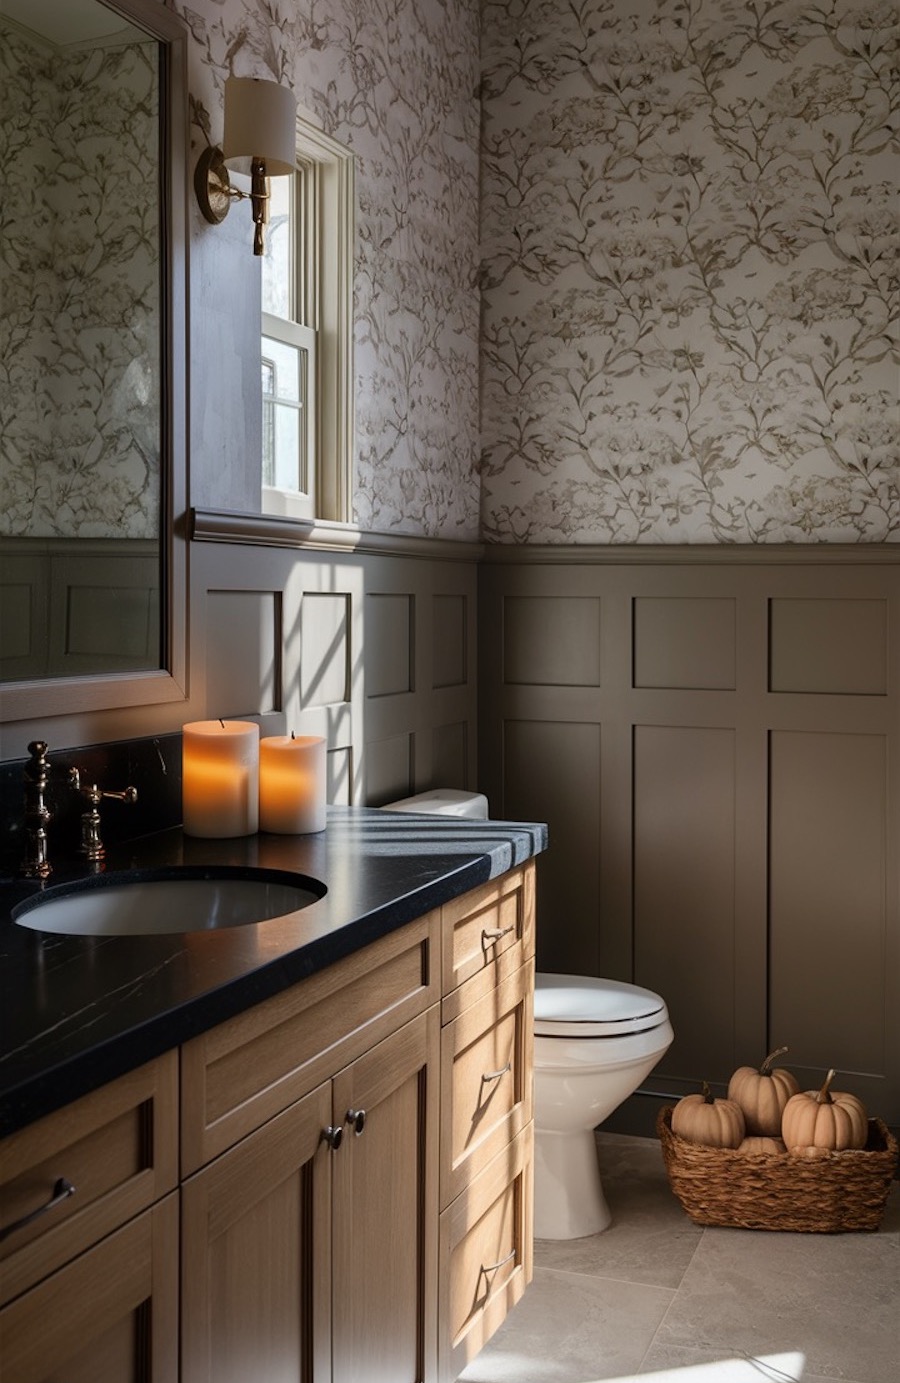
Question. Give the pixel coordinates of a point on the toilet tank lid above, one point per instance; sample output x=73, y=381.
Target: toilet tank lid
x=582, y=1006
x=443, y=802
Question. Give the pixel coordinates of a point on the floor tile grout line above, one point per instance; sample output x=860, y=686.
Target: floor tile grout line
x=603, y=1277
x=662, y=1320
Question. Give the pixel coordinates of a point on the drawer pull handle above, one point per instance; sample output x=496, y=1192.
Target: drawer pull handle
x=490, y=937
x=495, y=1075
x=61, y=1192
x=333, y=1136
x=356, y=1118
x=494, y=1267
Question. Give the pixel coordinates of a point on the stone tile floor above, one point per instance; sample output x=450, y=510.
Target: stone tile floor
x=658, y=1297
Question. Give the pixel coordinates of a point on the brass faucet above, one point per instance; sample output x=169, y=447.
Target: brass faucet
x=37, y=814
x=91, y=844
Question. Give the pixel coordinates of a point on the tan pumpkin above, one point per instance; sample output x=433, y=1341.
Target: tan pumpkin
x=826, y=1118
x=756, y=1144
x=762, y=1094
x=702, y=1119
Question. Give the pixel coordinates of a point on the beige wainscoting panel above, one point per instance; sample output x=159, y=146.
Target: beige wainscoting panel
x=389, y=651
x=685, y=642
x=243, y=651
x=339, y=768
x=553, y=772
x=829, y=986
x=420, y=678
x=325, y=648
x=684, y=887
x=672, y=834
x=450, y=642
x=450, y=754
x=830, y=646
x=551, y=641
x=389, y=769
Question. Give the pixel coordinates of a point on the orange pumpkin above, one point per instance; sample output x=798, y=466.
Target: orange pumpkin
x=767, y=1146
x=824, y=1118
x=702, y=1119
x=762, y=1094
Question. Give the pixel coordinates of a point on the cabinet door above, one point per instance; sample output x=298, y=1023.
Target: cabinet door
x=385, y=1211
x=109, y=1316
x=256, y=1255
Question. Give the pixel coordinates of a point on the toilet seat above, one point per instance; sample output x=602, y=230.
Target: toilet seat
x=582, y=1006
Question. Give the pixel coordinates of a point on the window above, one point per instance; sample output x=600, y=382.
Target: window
x=307, y=335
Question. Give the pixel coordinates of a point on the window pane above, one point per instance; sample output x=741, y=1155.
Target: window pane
x=277, y=264
x=284, y=437
x=287, y=366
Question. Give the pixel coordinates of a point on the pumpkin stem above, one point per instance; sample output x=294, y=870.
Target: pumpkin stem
x=824, y=1095
x=708, y=1097
x=766, y=1068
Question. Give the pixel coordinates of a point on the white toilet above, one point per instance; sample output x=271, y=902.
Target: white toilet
x=595, y=1041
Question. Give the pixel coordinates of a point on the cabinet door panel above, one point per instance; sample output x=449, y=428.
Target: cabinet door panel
x=385, y=1211
x=256, y=1255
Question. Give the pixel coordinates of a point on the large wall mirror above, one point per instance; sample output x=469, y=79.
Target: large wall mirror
x=92, y=355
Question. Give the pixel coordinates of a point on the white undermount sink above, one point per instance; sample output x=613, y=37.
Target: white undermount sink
x=151, y=902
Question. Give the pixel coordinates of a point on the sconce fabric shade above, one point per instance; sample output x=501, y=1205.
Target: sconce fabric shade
x=260, y=123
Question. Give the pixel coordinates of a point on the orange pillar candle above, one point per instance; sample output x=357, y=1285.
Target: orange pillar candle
x=292, y=784
x=220, y=786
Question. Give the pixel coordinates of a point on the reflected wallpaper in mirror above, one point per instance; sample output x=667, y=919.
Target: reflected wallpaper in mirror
x=80, y=340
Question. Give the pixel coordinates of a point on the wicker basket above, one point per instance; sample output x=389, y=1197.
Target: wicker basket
x=827, y=1195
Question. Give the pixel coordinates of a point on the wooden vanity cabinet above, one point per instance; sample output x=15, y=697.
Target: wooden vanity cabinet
x=355, y=1179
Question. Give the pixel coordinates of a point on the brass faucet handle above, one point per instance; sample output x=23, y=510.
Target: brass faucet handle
x=91, y=844
x=95, y=794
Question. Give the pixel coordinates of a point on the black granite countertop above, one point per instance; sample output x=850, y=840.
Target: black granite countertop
x=76, y=1012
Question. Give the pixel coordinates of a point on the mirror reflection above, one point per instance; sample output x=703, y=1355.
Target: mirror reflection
x=81, y=420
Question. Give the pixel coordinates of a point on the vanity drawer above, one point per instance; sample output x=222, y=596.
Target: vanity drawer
x=118, y=1147
x=486, y=935
x=485, y=1254
x=486, y=1068
x=241, y=1073
x=109, y=1316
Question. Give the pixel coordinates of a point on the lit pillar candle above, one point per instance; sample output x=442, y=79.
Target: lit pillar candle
x=220, y=786
x=292, y=784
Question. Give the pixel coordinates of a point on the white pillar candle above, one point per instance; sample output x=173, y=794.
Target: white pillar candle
x=220, y=786
x=292, y=784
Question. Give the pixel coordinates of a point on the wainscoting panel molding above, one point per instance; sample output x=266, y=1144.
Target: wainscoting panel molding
x=722, y=793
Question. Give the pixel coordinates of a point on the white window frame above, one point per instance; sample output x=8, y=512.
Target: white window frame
x=324, y=208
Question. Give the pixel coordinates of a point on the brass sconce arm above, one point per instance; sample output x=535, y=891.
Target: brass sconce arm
x=215, y=193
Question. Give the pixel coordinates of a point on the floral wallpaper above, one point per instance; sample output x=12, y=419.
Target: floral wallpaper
x=690, y=271
x=79, y=352
x=396, y=82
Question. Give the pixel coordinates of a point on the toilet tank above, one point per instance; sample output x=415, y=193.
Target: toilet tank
x=443, y=802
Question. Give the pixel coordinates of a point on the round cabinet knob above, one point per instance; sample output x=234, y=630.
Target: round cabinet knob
x=333, y=1137
x=356, y=1118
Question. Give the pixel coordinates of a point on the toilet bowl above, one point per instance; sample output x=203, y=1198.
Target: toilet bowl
x=594, y=1042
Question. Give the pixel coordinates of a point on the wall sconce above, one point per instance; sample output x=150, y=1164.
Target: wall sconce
x=260, y=139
